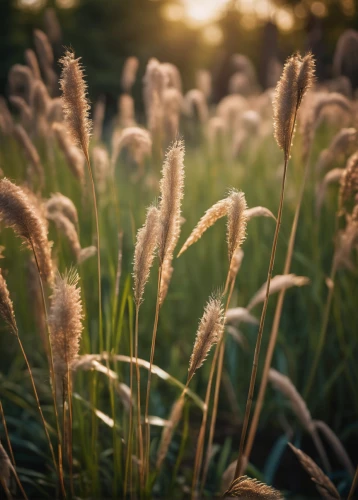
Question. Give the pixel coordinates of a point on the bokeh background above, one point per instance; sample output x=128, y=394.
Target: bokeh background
x=191, y=34
x=194, y=35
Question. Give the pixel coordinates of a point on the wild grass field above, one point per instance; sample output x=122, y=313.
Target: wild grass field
x=69, y=363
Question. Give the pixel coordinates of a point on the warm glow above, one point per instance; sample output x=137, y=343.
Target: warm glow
x=203, y=11
x=212, y=35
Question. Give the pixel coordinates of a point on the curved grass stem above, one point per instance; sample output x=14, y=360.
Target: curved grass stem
x=276, y=322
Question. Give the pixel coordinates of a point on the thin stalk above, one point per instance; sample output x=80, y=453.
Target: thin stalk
x=98, y=253
x=152, y=350
x=139, y=425
x=52, y=375
x=13, y=464
x=221, y=348
x=200, y=442
x=94, y=421
x=70, y=438
x=128, y=468
x=276, y=323
x=323, y=332
x=262, y=323
x=7, y=435
x=354, y=485
x=37, y=401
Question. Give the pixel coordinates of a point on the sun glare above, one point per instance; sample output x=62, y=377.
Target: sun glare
x=203, y=11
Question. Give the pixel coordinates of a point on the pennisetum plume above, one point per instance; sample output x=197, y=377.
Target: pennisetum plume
x=209, y=333
x=323, y=484
x=30, y=152
x=17, y=212
x=8, y=315
x=60, y=203
x=76, y=112
x=245, y=487
x=297, y=77
x=65, y=320
x=147, y=240
x=171, y=194
x=283, y=384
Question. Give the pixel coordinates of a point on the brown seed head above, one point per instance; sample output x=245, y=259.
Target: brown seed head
x=209, y=333
x=147, y=239
x=65, y=321
x=237, y=221
x=171, y=194
x=18, y=212
x=6, y=307
x=74, y=98
x=245, y=487
x=323, y=484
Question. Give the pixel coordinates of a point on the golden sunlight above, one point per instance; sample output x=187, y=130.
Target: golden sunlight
x=203, y=11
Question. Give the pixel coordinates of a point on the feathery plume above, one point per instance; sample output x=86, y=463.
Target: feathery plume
x=101, y=166
x=98, y=117
x=126, y=111
x=167, y=434
x=172, y=74
x=324, y=485
x=136, y=139
x=65, y=321
x=348, y=182
x=74, y=156
x=74, y=98
x=68, y=229
x=55, y=111
x=245, y=487
x=147, y=239
x=209, y=333
x=240, y=314
x=217, y=211
x=60, y=203
x=171, y=194
x=286, y=387
x=236, y=224
x=5, y=116
x=278, y=282
x=46, y=58
x=343, y=62
x=203, y=82
x=305, y=76
x=40, y=101
x=32, y=63
x=285, y=104
x=6, y=307
x=167, y=273
x=86, y=253
x=258, y=212
x=230, y=108
x=17, y=212
x=30, y=151
x=344, y=141
x=194, y=104
x=332, y=176
x=129, y=73
x=296, y=79
x=336, y=445
x=346, y=240
x=52, y=25
x=20, y=81
x=26, y=115
x=312, y=116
